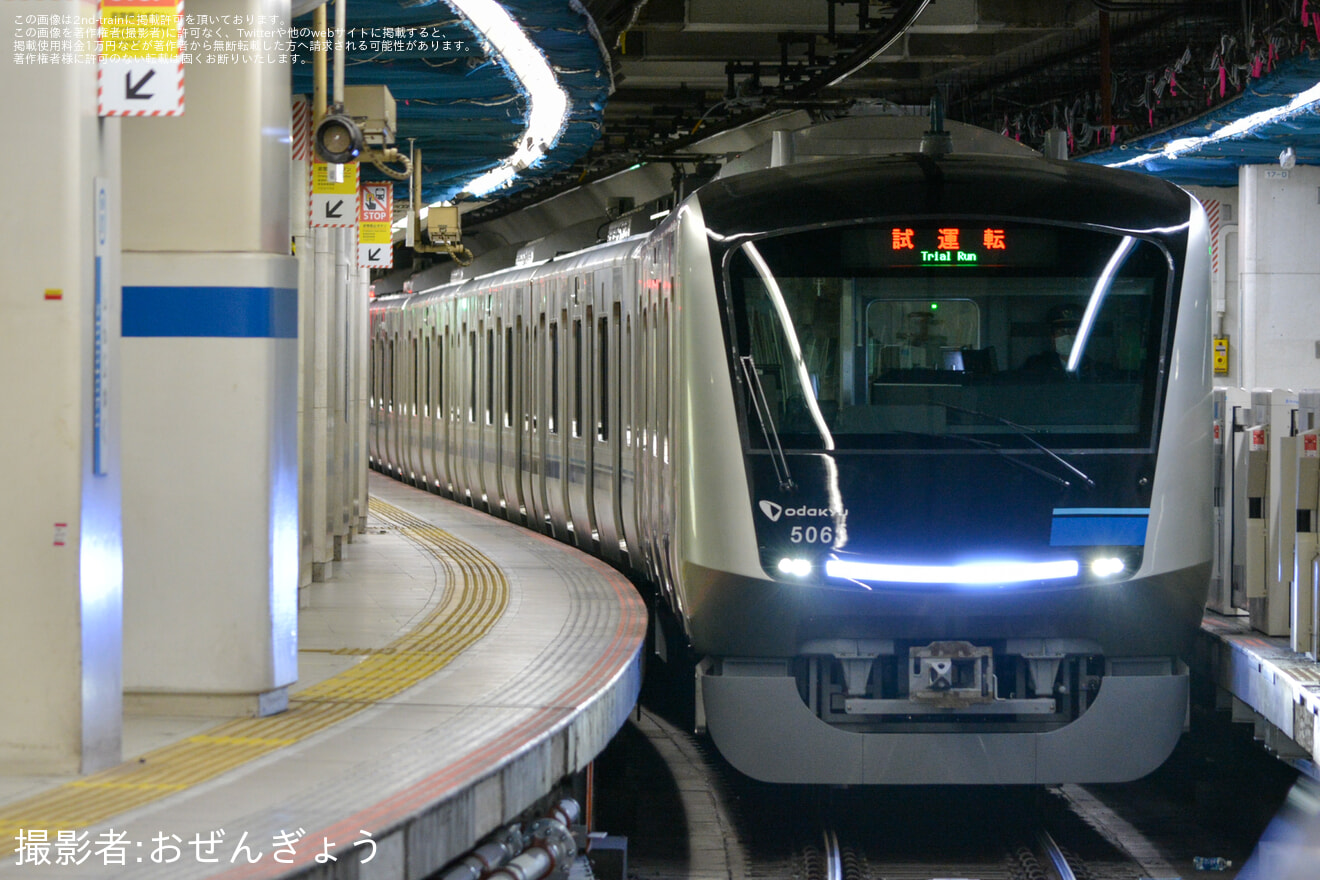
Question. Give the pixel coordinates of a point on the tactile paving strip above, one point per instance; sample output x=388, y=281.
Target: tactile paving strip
x=465, y=615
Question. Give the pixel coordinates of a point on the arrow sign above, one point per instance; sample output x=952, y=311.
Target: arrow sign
x=375, y=256
x=132, y=90
x=333, y=203
x=139, y=71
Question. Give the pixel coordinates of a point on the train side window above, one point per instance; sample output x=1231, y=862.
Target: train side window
x=440, y=377
x=554, y=378
x=490, y=377
x=376, y=356
x=472, y=376
x=626, y=377
x=662, y=381
x=426, y=380
x=509, y=336
x=577, y=378
x=640, y=385
x=530, y=347
x=603, y=378
x=416, y=357
x=389, y=376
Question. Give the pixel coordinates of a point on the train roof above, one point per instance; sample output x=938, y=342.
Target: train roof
x=954, y=184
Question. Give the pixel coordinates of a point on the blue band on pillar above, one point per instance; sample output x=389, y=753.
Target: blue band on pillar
x=236, y=312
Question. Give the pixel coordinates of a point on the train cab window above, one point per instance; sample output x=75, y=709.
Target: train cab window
x=920, y=334
x=898, y=335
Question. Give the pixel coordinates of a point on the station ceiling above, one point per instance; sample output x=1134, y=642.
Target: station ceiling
x=648, y=78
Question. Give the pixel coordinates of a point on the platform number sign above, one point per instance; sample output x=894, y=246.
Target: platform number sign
x=375, y=213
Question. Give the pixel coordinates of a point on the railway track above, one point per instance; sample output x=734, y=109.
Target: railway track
x=688, y=814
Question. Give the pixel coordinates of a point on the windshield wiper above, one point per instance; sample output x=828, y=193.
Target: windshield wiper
x=762, y=407
x=996, y=448
x=1026, y=434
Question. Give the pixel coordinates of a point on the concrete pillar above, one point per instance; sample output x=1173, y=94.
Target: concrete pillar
x=317, y=363
x=61, y=573
x=210, y=385
x=361, y=339
x=345, y=273
x=305, y=251
x=1280, y=263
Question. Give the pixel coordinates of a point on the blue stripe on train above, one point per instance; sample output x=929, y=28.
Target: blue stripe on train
x=1099, y=526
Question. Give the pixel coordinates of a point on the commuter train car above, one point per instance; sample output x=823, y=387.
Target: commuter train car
x=915, y=450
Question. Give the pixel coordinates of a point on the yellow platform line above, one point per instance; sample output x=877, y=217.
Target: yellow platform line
x=464, y=615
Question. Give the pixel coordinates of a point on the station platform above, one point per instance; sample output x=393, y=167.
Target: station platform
x=453, y=671
x=1270, y=686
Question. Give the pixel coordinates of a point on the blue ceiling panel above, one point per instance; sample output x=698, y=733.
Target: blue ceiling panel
x=1216, y=163
x=462, y=108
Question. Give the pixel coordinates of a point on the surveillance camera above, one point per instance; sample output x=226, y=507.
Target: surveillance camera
x=1288, y=158
x=338, y=139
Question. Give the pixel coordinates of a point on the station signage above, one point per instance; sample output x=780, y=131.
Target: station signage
x=375, y=237
x=333, y=201
x=139, y=69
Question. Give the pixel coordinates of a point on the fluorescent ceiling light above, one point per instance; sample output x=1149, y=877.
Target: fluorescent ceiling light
x=548, y=110
x=1238, y=128
x=966, y=573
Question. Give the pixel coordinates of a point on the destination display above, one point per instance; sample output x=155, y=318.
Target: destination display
x=956, y=245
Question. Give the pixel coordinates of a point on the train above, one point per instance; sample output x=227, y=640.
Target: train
x=914, y=451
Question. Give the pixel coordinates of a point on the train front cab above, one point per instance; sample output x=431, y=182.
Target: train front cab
x=782, y=627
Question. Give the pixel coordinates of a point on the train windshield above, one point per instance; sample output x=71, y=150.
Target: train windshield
x=950, y=333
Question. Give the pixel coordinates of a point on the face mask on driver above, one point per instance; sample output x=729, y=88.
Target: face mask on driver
x=1063, y=345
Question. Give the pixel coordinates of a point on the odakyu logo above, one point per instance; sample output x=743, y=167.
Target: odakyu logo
x=774, y=512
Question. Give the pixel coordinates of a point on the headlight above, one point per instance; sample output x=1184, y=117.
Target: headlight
x=794, y=566
x=1107, y=566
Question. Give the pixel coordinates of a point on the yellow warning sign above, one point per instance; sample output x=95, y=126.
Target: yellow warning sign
x=1221, y=355
x=140, y=29
x=375, y=211
x=322, y=185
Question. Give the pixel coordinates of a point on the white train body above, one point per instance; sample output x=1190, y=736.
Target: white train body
x=804, y=408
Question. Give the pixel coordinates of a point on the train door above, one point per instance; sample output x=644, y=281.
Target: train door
x=376, y=355
x=415, y=466
x=556, y=433
x=629, y=412
x=665, y=497
x=578, y=399
x=538, y=361
x=514, y=434
x=604, y=431
x=645, y=388
x=435, y=449
x=449, y=413
x=488, y=456
x=498, y=502
x=467, y=444
x=391, y=405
